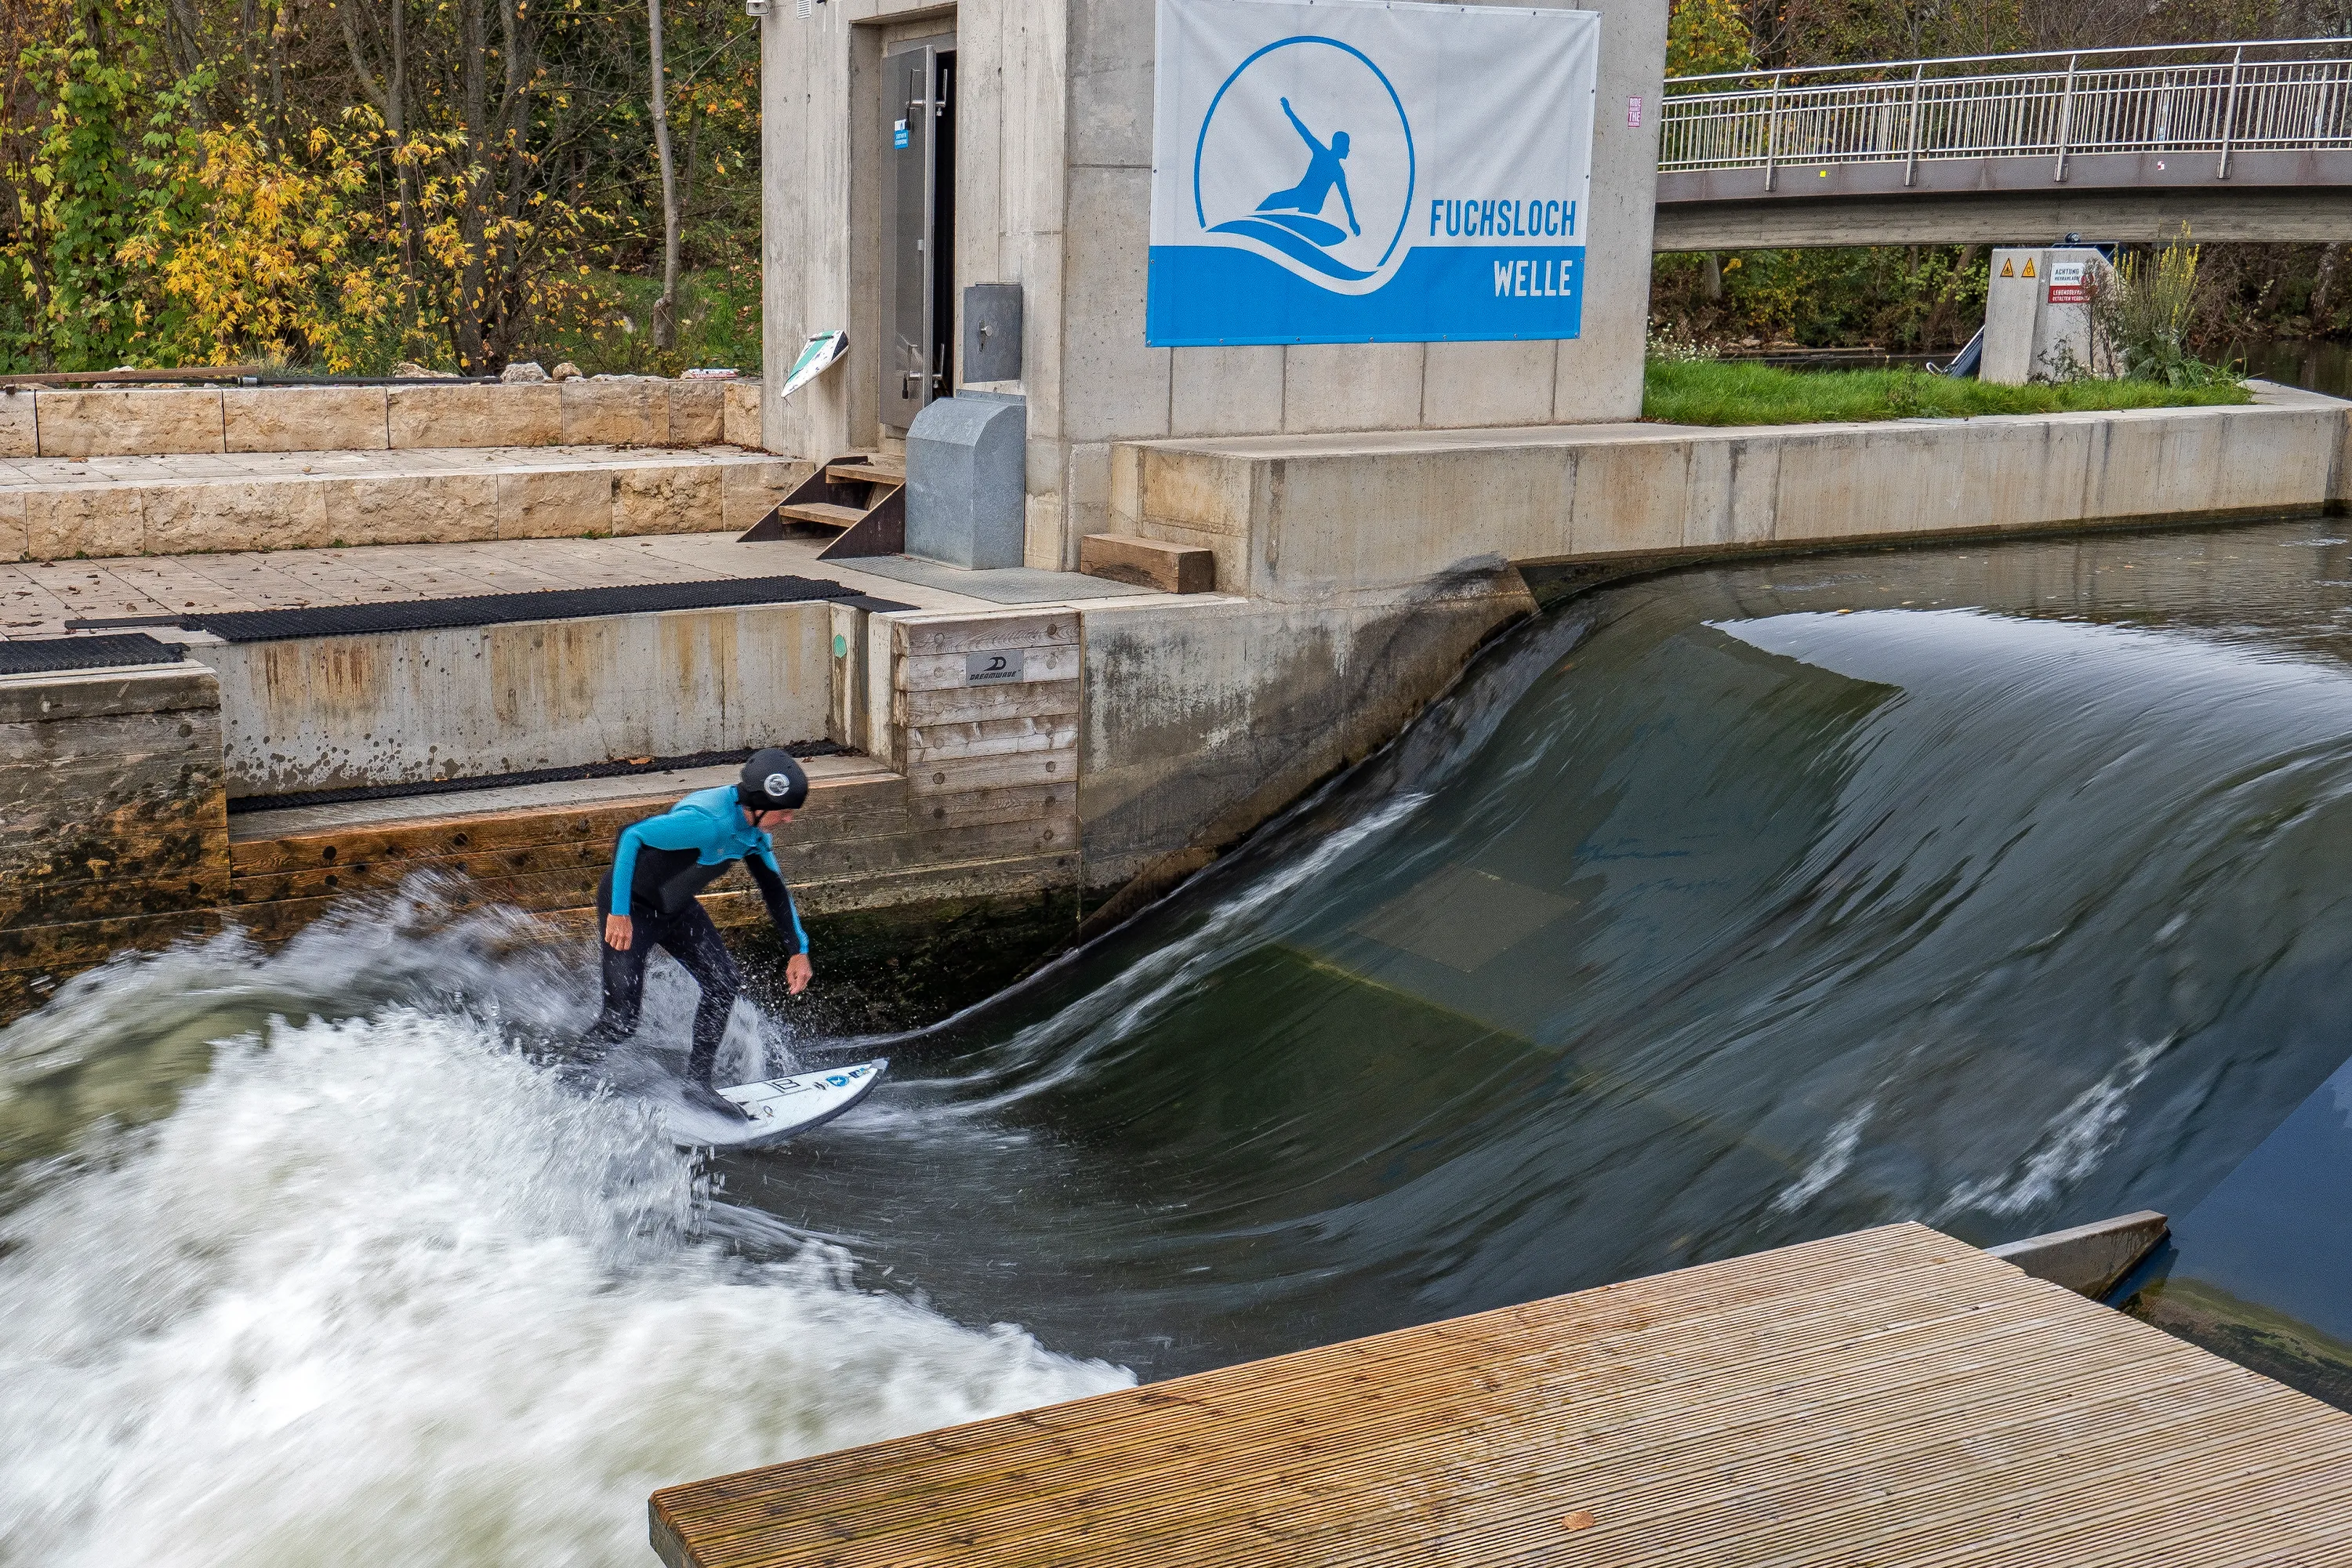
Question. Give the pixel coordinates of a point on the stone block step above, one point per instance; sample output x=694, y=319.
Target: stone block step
x=622, y=411
x=1149, y=563
x=56, y=509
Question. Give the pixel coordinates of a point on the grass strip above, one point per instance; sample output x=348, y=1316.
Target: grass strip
x=1728, y=392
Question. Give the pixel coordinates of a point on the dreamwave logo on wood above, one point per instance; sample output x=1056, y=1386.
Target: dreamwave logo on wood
x=1346, y=170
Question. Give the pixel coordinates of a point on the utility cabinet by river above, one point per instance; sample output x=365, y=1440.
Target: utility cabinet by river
x=2040, y=316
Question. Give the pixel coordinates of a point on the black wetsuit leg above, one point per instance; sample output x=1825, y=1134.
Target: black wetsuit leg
x=690, y=938
x=687, y=936
x=624, y=976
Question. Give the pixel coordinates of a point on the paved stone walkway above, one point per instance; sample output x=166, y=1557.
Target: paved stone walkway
x=36, y=598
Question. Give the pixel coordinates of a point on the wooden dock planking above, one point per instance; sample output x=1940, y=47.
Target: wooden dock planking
x=1888, y=1397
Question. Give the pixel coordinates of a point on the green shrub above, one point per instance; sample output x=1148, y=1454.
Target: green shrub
x=2146, y=310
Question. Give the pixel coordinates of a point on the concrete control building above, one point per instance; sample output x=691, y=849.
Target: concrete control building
x=1039, y=172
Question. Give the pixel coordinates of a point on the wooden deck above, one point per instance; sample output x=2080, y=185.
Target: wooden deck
x=1890, y=1397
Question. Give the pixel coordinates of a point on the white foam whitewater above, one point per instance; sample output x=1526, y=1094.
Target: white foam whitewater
x=380, y=1290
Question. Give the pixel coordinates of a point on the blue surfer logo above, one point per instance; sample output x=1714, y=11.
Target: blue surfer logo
x=1294, y=208
x=1340, y=221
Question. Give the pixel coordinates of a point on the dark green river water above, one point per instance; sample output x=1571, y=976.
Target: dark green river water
x=2001, y=888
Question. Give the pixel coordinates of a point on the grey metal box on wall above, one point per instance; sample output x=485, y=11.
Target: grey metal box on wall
x=967, y=473
x=992, y=331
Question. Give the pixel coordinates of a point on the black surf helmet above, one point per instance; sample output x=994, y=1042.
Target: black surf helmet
x=772, y=781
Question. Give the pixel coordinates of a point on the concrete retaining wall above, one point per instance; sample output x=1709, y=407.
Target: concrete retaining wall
x=112, y=784
x=1203, y=720
x=116, y=831
x=1133, y=734
x=1303, y=519
x=318, y=713
x=146, y=421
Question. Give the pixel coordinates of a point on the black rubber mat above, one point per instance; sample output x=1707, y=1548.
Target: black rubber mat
x=498, y=609
x=537, y=775
x=42, y=654
x=109, y=623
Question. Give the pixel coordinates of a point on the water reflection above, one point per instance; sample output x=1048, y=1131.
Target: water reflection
x=2317, y=364
x=2262, y=1269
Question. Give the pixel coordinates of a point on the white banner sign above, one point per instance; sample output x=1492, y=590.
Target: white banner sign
x=1345, y=170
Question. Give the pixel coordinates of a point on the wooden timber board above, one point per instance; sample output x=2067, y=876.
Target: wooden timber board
x=1888, y=1397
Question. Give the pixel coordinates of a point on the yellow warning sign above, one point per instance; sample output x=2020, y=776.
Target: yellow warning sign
x=2009, y=269
x=2028, y=267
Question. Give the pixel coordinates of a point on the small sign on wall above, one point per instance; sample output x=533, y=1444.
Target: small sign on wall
x=994, y=669
x=1633, y=113
x=2070, y=283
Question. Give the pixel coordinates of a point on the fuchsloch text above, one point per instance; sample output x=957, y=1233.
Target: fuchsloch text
x=1505, y=219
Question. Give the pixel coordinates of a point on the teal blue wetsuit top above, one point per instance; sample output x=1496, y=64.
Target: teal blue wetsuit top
x=664, y=862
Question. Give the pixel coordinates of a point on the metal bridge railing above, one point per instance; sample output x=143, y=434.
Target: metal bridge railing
x=2217, y=98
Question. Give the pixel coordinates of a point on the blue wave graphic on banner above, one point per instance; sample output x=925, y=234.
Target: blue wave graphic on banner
x=1301, y=238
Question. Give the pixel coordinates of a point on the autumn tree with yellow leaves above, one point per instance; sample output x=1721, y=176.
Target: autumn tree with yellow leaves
x=338, y=184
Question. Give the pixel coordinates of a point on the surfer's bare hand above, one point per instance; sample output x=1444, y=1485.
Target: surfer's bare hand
x=618, y=932
x=798, y=972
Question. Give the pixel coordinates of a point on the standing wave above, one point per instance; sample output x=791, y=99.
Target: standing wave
x=382, y=1288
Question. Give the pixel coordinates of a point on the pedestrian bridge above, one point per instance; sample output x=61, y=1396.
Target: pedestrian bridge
x=2235, y=141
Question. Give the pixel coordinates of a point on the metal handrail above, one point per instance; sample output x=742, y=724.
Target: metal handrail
x=1930, y=61
x=2062, y=105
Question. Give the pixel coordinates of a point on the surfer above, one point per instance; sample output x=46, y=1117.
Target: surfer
x=663, y=862
x=1323, y=172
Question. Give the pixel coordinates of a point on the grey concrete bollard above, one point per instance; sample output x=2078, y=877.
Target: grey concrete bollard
x=967, y=480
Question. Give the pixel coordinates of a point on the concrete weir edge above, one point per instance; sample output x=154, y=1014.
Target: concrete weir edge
x=2088, y=1259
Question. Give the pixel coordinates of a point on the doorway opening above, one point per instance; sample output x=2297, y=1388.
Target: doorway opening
x=918, y=148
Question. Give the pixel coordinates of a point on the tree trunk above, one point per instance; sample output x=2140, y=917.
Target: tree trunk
x=473, y=227
x=1714, y=279
x=2326, y=287
x=522, y=68
x=404, y=173
x=664, y=308
x=245, y=27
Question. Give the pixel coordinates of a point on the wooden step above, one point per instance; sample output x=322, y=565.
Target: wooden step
x=1149, y=563
x=822, y=512
x=870, y=473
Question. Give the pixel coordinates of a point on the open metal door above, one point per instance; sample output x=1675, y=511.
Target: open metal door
x=913, y=112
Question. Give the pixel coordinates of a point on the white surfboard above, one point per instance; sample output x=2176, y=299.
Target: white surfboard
x=779, y=1107
x=823, y=350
